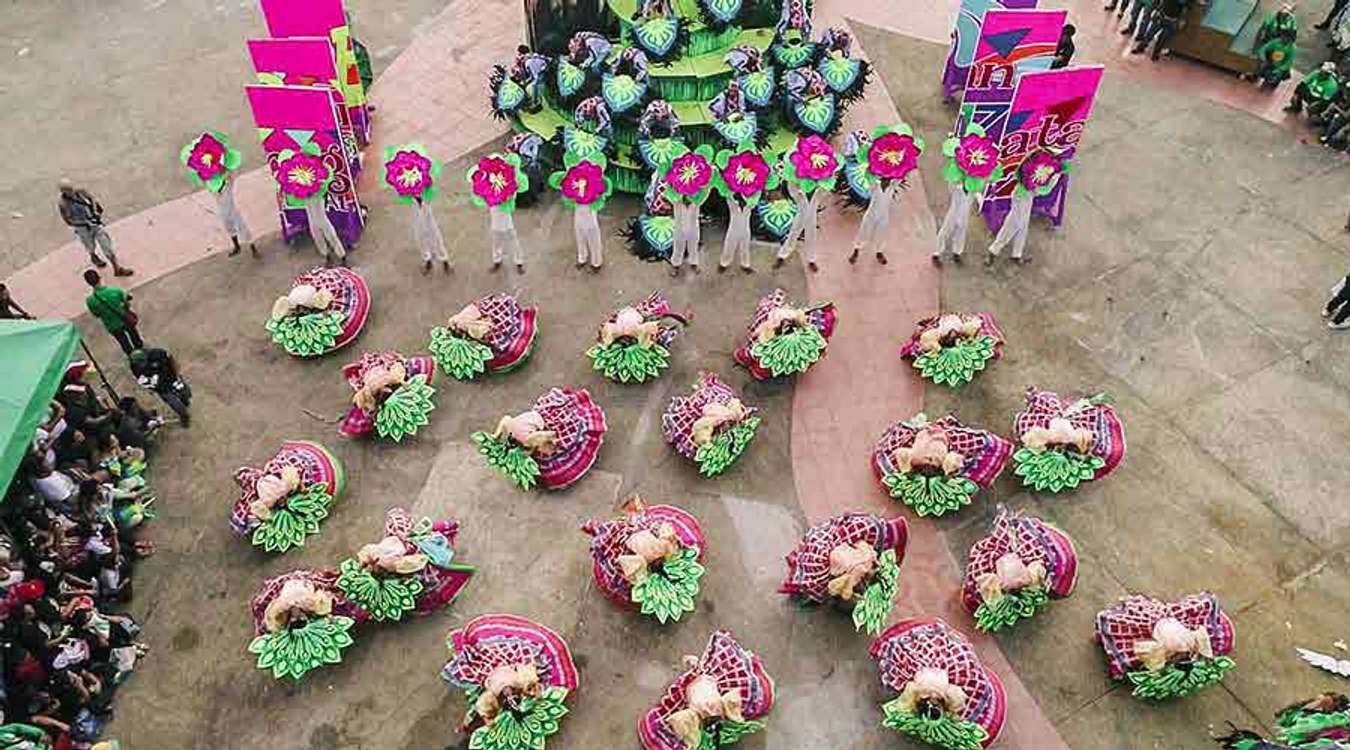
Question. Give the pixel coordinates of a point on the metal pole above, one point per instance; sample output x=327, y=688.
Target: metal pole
x=112, y=392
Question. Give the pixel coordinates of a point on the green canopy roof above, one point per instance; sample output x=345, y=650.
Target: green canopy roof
x=33, y=356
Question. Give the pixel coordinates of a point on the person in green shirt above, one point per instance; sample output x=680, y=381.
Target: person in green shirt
x=1317, y=89
x=1274, y=47
x=112, y=306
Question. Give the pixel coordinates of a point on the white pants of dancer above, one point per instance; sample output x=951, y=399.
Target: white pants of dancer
x=230, y=218
x=952, y=235
x=321, y=230
x=805, y=224
x=586, y=226
x=737, y=242
x=686, y=236
x=503, y=231
x=1015, y=226
x=877, y=220
x=427, y=234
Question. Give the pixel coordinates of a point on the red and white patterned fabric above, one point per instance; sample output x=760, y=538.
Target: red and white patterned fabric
x=986, y=453
x=988, y=327
x=315, y=464
x=677, y=424
x=656, y=307
x=511, y=337
x=440, y=583
x=822, y=317
x=359, y=423
x=732, y=667
x=1031, y=540
x=809, y=563
x=351, y=297
x=608, y=539
x=1101, y=419
x=926, y=643
x=491, y=641
x=1122, y=627
x=322, y=580
x=578, y=424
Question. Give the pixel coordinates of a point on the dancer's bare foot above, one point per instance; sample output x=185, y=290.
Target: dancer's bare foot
x=445, y=266
x=853, y=256
x=937, y=260
x=811, y=264
x=881, y=258
x=426, y=268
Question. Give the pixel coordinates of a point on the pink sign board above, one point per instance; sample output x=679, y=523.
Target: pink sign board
x=302, y=17
x=1011, y=43
x=300, y=61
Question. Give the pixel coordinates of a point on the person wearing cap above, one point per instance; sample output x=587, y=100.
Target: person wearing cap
x=1317, y=89
x=84, y=215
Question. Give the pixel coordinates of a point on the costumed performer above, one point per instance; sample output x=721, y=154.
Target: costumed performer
x=853, y=559
x=722, y=696
x=1037, y=176
x=632, y=346
x=304, y=179
x=489, y=335
x=688, y=182
x=937, y=467
x=1322, y=723
x=553, y=444
x=1066, y=443
x=709, y=426
x=392, y=395
x=1016, y=570
x=743, y=174
x=890, y=153
x=324, y=311
x=496, y=181
x=212, y=162
x=412, y=174
x=648, y=558
x=951, y=349
x=783, y=339
x=972, y=163
x=1167, y=649
x=809, y=170
x=584, y=188
x=284, y=502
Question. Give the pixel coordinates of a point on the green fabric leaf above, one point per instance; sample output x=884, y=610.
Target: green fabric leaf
x=716, y=455
x=730, y=731
x=874, y=607
x=840, y=72
x=385, y=597
x=817, y=114
x=657, y=35
x=1179, y=680
x=293, y=519
x=508, y=458
x=1305, y=730
x=930, y=495
x=658, y=153
x=510, y=95
x=1055, y=469
x=306, y=335
x=790, y=353
x=956, y=365
x=405, y=411
x=296, y=651
x=626, y=362
x=525, y=728
x=621, y=92
x=1014, y=607
x=758, y=87
x=670, y=589
x=777, y=215
x=460, y=356
x=946, y=732
x=570, y=79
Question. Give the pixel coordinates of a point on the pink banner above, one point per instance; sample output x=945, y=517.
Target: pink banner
x=1049, y=109
x=1011, y=44
x=300, y=61
x=303, y=17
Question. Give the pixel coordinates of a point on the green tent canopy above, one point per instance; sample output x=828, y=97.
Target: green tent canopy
x=34, y=354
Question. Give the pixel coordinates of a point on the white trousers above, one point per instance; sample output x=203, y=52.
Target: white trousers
x=876, y=221
x=687, y=235
x=737, y=241
x=321, y=230
x=503, y=231
x=427, y=234
x=952, y=235
x=230, y=218
x=1015, y=226
x=804, y=225
x=586, y=227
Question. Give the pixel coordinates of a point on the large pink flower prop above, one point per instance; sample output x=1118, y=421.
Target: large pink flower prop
x=814, y=159
x=746, y=173
x=892, y=156
x=1039, y=170
x=207, y=158
x=977, y=156
x=495, y=180
x=303, y=175
x=584, y=183
x=408, y=173
x=689, y=174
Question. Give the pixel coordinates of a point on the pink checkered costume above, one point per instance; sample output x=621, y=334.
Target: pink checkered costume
x=1135, y=620
x=315, y=464
x=732, y=668
x=609, y=538
x=1086, y=413
x=1032, y=542
x=578, y=425
x=984, y=452
x=358, y=422
x=351, y=298
x=677, y=424
x=808, y=563
x=821, y=316
x=490, y=642
x=513, y=330
x=988, y=327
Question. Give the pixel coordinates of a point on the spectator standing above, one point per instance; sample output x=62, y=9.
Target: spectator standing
x=1162, y=25
x=1065, y=49
x=112, y=306
x=84, y=215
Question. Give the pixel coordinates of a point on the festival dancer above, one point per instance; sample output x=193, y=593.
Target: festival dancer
x=721, y=697
x=688, y=184
x=553, y=444
x=492, y=334
x=284, y=502
x=648, y=559
x=212, y=162
x=324, y=310
x=497, y=180
x=972, y=163
x=854, y=558
x=1322, y=723
x=304, y=179
x=1037, y=176
x=809, y=170
x=1016, y=570
x=584, y=188
x=743, y=174
x=890, y=154
x=411, y=173
x=1167, y=649
x=391, y=395
x=1065, y=443
x=783, y=339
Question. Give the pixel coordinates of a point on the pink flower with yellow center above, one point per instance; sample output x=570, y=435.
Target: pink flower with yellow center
x=408, y=173
x=207, y=158
x=746, y=173
x=976, y=156
x=584, y=183
x=689, y=174
x=814, y=159
x=303, y=175
x=1039, y=170
x=892, y=156
x=495, y=180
